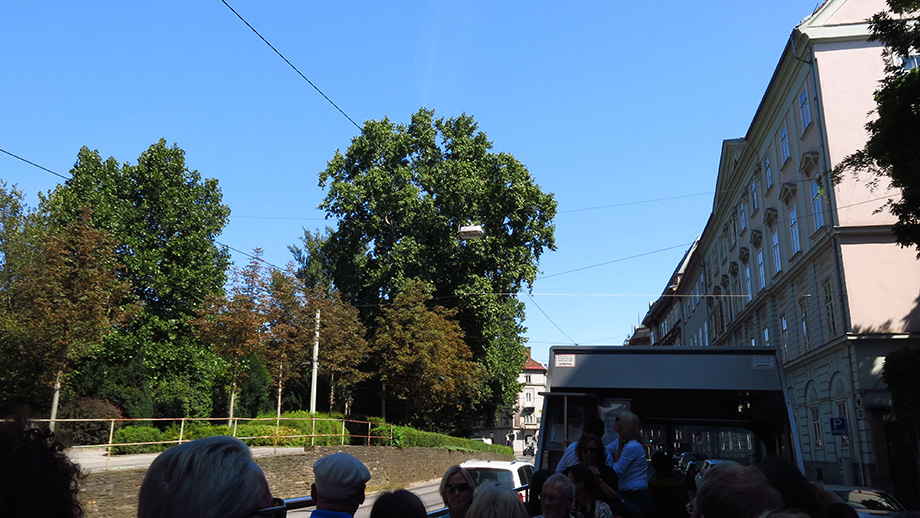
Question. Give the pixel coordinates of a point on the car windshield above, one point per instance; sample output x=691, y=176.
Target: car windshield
x=869, y=500
x=482, y=475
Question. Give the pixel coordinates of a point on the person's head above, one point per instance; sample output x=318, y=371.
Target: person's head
x=536, y=486
x=36, y=478
x=797, y=491
x=495, y=500
x=208, y=477
x=595, y=426
x=339, y=481
x=590, y=450
x=627, y=426
x=662, y=464
x=398, y=504
x=583, y=478
x=557, y=496
x=456, y=490
x=734, y=491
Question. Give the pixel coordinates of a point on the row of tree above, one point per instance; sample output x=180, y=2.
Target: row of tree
x=115, y=288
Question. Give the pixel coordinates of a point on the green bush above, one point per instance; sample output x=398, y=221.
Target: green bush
x=405, y=437
x=92, y=432
x=130, y=434
x=329, y=428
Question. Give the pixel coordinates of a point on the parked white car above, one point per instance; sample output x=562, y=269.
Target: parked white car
x=513, y=473
x=868, y=502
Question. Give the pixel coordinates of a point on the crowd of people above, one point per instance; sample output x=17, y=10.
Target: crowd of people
x=216, y=477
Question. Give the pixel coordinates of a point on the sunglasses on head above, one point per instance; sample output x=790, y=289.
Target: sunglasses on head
x=459, y=488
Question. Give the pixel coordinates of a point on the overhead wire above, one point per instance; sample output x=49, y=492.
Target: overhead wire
x=301, y=74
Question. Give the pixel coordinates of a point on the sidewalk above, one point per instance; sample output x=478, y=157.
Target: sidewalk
x=94, y=459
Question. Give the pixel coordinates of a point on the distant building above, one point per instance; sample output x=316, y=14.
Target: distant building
x=791, y=260
x=518, y=428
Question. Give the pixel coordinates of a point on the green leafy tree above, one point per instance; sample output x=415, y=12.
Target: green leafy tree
x=422, y=359
x=165, y=219
x=71, y=297
x=290, y=329
x=233, y=324
x=893, y=149
x=22, y=375
x=400, y=193
x=343, y=349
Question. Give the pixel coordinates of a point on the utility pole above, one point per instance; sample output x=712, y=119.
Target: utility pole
x=315, y=356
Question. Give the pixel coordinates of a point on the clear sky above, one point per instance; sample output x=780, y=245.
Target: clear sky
x=618, y=108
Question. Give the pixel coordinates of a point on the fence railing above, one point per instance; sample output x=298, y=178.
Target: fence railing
x=342, y=433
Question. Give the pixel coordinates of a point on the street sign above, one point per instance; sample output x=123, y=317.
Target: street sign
x=838, y=426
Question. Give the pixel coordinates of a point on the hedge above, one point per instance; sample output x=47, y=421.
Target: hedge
x=405, y=437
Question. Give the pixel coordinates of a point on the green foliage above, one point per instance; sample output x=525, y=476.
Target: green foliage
x=900, y=373
x=893, y=148
x=132, y=434
x=165, y=219
x=93, y=432
x=405, y=437
x=330, y=427
x=400, y=192
x=422, y=358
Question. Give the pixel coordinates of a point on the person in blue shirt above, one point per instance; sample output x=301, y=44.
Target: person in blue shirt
x=629, y=460
x=594, y=426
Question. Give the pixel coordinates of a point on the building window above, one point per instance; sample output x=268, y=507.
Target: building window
x=784, y=143
x=803, y=309
x=768, y=173
x=742, y=217
x=829, y=308
x=784, y=326
x=527, y=378
x=842, y=413
x=747, y=282
x=761, y=277
x=804, y=110
x=766, y=337
x=706, y=333
x=754, y=201
x=794, y=230
x=817, y=207
x=816, y=428
x=528, y=397
x=777, y=260
x=910, y=62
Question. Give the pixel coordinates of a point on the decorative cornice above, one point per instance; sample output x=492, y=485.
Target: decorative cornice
x=757, y=236
x=769, y=216
x=809, y=162
x=787, y=192
x=744, y=254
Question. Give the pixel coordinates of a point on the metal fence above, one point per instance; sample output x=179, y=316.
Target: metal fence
x=343, y=434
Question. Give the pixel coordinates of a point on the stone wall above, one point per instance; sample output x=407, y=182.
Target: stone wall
x=111, y=494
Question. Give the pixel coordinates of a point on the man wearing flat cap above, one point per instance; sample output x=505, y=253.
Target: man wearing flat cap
x=338, y=486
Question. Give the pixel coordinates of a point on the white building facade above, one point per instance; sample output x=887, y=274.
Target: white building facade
x=791, y=259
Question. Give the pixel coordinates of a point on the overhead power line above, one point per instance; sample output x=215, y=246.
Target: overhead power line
x=290, y=64
x=17, y=157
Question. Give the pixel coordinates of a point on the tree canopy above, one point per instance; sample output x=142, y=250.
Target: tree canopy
x=165, y=219
x=399, y=194
x=893, y=148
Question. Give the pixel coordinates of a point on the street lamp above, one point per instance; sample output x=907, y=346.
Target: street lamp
x=471, y=231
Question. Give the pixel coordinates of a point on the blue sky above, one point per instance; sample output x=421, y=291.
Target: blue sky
x=618, y=108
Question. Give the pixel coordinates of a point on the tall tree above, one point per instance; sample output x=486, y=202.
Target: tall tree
x=72, y=296
x=233, y=324
x=290, y=329
x=165, y=219
x=400, y=192
x=422, y=359
x=892, y=151
x=343, y=349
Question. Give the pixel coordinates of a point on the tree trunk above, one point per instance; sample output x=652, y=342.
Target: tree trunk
x=232, y=398
x=55, y=398
x=331, y=391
